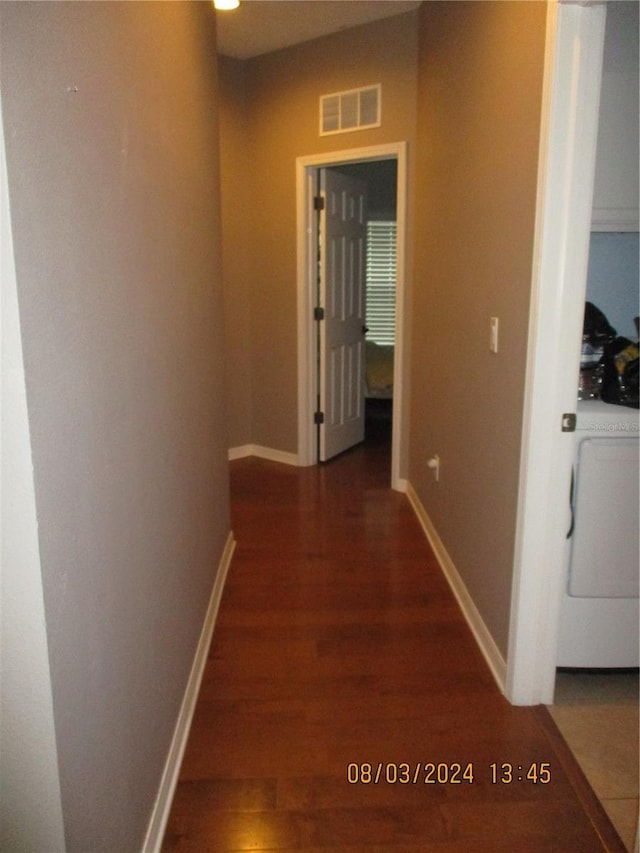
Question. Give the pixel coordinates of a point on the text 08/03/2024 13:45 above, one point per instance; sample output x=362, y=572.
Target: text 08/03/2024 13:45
x=442, y=773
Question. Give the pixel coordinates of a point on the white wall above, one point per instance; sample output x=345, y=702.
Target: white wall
x=110, y=120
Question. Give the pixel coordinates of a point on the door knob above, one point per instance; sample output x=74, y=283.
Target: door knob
x=365, y=329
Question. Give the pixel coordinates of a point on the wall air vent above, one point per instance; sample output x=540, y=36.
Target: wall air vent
x=351, y=110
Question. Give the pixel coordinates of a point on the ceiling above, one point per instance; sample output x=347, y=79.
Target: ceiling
x=260, y=26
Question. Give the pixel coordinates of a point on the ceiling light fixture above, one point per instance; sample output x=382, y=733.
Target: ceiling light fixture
x=226, y=4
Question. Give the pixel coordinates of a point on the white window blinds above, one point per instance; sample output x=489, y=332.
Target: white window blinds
x=381, y=282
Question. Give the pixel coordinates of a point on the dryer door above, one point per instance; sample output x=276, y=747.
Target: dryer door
x=604, y=551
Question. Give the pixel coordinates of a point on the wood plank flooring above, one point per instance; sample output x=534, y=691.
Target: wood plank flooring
x=339, y=645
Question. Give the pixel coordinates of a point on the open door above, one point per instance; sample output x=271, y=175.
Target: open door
x=342, y=269
x=307, y=189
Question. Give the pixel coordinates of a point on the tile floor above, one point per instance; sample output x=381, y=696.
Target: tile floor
x=597, y=713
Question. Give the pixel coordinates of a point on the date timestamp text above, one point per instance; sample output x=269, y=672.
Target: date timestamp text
x=446, y=773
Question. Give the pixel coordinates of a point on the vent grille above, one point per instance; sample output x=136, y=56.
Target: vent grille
x=351, y=110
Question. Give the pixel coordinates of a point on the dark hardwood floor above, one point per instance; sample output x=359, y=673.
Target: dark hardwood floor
x=340, y=656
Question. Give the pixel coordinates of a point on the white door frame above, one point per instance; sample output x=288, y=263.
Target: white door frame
x=573, y=71
x=306, y=170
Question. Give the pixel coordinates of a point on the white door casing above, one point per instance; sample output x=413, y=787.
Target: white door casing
x=342, y=241
x=306, y=187
x=575, y=37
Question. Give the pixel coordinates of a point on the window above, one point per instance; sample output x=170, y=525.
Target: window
x=381, y=281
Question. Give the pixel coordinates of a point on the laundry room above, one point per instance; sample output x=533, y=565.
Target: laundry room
x=599, y=624
x=596, y=698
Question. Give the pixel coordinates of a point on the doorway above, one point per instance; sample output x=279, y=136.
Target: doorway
x=381, y=180
x=308, y=169
x=575, y=36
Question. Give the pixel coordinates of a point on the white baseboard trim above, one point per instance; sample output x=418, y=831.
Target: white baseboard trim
x=263, y=453
x=241, y=452
x=162, y=807
x=483, y=638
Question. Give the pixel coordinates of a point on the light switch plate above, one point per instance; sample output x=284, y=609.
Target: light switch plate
x=493, y=334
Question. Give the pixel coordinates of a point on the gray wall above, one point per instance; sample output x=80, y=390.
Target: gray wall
x=479, y=102
x=111, y=139
x=612, y=281
x=273, y=100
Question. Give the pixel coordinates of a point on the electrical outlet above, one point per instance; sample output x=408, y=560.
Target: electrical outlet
x=434, y=464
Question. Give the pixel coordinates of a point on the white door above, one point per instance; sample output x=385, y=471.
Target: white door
x=342, y=242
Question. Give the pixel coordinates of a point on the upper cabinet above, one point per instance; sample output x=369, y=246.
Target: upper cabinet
x=615, y=193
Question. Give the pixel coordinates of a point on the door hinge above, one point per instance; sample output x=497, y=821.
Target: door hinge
x=318, y=313
x=569, y=422
x=318, y=418
x=318, y=202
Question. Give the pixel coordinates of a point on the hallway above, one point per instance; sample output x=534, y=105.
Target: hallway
x=339, y=645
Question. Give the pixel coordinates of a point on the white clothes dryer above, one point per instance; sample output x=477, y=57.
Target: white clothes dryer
x=599, y=622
